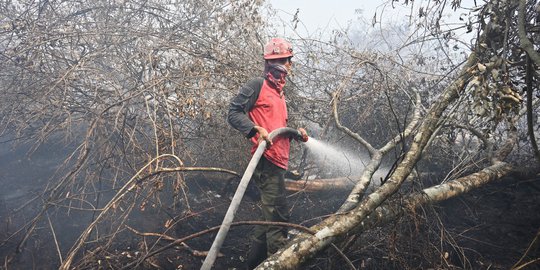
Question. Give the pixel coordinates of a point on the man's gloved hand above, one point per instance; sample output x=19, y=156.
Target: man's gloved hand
x=263, y=135
x=304, y=137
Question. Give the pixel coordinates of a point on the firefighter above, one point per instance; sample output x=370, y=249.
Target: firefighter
x=258, y=109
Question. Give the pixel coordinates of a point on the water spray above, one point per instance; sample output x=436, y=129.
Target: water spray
x=342, y=161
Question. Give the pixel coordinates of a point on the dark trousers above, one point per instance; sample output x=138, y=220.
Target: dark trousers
x=266, y=240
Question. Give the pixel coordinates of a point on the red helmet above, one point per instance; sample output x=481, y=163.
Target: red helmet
x=277, y=48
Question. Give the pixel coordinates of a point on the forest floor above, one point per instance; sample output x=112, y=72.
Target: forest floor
x=489, y=228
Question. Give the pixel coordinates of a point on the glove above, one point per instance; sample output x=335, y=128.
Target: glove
x=303, y=135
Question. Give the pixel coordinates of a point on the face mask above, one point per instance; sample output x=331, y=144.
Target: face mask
x=276, y=74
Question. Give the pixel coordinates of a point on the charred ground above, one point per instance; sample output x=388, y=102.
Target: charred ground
x=485, y=229
x=489, y=228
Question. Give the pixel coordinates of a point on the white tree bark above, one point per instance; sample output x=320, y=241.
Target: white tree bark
x=438, y=193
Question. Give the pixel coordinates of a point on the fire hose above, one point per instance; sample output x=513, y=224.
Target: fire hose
x=240, y=190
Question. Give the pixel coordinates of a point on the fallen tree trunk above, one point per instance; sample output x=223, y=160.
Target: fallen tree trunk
x=435, y=194
x=289, y=259
x=339, y=183
x=320, y=184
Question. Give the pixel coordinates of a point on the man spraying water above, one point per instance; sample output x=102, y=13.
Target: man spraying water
x=260, y=108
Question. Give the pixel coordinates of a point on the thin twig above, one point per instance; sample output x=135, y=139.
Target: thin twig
x=193, y=252
x=55, y=239
x=129, y=186
x=349, y=263
x=527, y=264
x=195, y=235
x=527, y=252
x=239, y=223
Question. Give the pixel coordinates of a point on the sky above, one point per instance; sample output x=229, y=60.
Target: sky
x=321, y=15
x=326, y=15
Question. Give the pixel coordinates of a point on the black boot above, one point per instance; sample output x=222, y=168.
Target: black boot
x=257, y=253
